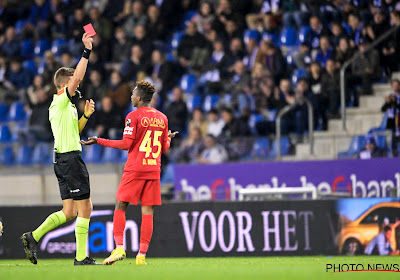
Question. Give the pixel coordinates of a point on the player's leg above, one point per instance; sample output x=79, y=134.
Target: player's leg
x=146, y=232
x=119, y=222
x=151, y=196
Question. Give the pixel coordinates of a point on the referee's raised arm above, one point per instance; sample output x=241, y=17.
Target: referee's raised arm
x=82, y=65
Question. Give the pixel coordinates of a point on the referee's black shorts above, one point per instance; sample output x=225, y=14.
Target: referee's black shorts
x=72, y=175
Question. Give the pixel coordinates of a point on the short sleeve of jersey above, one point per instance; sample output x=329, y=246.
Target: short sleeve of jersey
x=63, y=97
x=130, y=126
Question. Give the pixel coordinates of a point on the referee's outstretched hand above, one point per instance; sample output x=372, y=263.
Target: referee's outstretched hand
x=91, y=141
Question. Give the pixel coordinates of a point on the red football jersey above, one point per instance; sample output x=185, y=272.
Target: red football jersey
x=148, y=128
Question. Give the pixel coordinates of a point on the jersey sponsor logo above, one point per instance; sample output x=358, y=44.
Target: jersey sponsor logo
x=154, y=122
x=128, y=122
x=128, y=130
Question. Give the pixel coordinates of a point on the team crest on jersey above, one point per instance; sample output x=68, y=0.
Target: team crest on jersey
x=128, y=122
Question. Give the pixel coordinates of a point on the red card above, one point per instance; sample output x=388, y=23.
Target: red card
x=89, y=29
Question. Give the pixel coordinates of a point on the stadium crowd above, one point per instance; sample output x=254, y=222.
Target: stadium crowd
x=223, y=68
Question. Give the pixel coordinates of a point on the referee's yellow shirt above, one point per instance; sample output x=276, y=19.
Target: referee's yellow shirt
x=63, y=117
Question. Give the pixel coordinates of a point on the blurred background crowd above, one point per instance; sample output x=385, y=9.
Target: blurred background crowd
x=223, y=68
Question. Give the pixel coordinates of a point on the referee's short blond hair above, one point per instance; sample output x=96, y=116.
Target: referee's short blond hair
x=63, y=75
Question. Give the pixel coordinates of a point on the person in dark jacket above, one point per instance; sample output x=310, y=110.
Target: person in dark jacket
x=162, y=72
x=272, y=58
x=192, y=44
x=392, y=108
x=371, y=150
x=233, y=127
x=176, y=111
x=330, y=87
x=109, y=120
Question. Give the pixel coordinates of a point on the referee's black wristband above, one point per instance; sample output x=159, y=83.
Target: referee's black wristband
x=86, y=53
x=86, y=117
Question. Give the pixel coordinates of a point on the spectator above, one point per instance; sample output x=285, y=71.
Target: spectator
x=192, y=47
x=357, y=29
x=302, y=57
x=102, y=49
x=50, y=67
x=337, y=33
x=162, y=72
x=325, y=52
x=213, y=153
x=101, y=24
x=231, y=30
x=366, y=69
x=99, y=4
x=118, y=91
x=392, y=108
x=18, y=77
x=319, y=99
x=109, y=120
x=39, y=12
x=215, y=124
x=143, y=41
x=233, y=127
x=317, y=30
x=95, y=89
x=371, y=150
x=391, y=49
x=121, y=46
x=10, y=46
x=205, y=18
x=252, y=50
x=344, y=51
x=300, y=111
x=176, y=111
x=379, y=26
x=155, y=26
x=33, y=90
x=75, y=27
x=39, y=126
x=199, y=121
x=191, y=147
x=272, y=58
x=131, y=67
x=67, y=60
x=239, y=82
x=59, y=28
x=382, y=243
x=330, y=88
x=135, y=18
x=3, y=71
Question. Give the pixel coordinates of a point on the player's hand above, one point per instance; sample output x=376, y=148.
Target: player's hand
x=91, y=141
x=87, y=41
x=89, y=108
x=172, y=135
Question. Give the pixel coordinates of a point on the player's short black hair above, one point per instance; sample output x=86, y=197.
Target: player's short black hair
x=146, y=90
x=387, y=228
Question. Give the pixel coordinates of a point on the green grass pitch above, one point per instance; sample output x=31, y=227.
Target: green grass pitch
x=244, y=268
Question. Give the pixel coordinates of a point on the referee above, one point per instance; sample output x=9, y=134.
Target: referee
x=71, y=172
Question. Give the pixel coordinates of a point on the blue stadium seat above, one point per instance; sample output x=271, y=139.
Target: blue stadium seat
x=285, y=147
x=92, y=154
x=176, y=40
x=58, y=46
x=254, y=120
x=111, y=155
x=261, y=148
x=357, y=143
x=251, y=34
x=302, y=36
x=14, y=133
x=41, y=154
x=381, y=141
x=382, y=126
x=7, y=156
x=298, y=74
x=41, y=46
x=5, y=134
x=27, y=48
x=288, y=37
x=289, y=59
x=24, y=155
x=347, y=28
x=187, y=18
x=193, y=102
x=3, y=112
x=16, y=112
x=168, y=175
x=210, y=102
x=31, y=66
x=187, y=83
